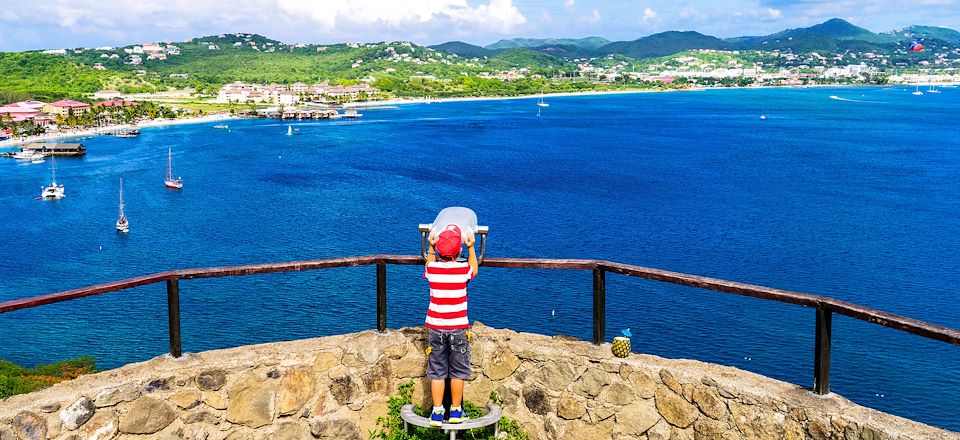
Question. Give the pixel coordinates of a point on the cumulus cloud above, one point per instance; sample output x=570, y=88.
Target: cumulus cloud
x=649, y=14
x=501, y=15
x=594, y=18
x=290, y=20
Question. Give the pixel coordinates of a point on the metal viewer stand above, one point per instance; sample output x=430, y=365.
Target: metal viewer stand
x=482, y=230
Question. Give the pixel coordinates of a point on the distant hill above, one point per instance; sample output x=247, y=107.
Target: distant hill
x=586, y=43
x=664, y=43
x=522, y=57
x=465, y=50
x=922, y=32
x=567, y=51
x=821, y=37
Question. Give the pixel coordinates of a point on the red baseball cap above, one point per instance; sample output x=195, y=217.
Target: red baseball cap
x=448, y=243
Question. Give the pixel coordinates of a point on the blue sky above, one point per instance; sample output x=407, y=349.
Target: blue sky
x=90, y=23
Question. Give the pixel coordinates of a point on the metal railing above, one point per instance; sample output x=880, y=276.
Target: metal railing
x=824, y=306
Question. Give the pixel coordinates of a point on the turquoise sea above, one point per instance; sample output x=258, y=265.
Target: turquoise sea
x=852, y=193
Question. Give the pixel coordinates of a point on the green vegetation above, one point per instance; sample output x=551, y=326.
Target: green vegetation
x=391, y=425
x=52, y=77
x=15, y=379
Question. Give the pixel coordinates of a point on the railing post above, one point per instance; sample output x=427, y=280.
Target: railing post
x=381, y=297
x=173, y=315
x=599, y=306
x=821, y=360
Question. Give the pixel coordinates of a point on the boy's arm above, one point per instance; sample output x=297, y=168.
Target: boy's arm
x=472, y=257
x=431, y=253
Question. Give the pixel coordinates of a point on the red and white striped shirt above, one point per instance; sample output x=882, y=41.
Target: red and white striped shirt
x=448, y=294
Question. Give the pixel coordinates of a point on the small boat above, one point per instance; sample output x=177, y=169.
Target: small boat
x=53, y=191
x=763, y=117
x=289, y=130
x=221, y=126
x=123, y=225
x=918, y=92
x=128, y=133
x=932, y=89
x=540, y=102
x=169, y=181
x=29, y=155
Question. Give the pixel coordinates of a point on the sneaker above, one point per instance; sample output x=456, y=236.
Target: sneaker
x=457, y=415
x=436, y=418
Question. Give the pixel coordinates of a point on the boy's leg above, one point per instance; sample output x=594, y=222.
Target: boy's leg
x=436, y=389
x=456, y=392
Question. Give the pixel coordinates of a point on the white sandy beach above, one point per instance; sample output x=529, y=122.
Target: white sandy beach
x=73, y=134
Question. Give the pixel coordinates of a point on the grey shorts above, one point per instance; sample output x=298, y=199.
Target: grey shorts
x=449, y=354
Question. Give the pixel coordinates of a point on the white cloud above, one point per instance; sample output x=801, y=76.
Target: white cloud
x=649, y=14
x=289, y=19
x=569, y=3
x=594, y=18
x=330, y=15
x=689, y=12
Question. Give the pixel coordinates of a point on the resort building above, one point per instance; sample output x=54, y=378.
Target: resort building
x=116, y=102
x=66, y=107
x=16, y=113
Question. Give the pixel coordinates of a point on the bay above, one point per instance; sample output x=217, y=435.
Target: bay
x=855, y=198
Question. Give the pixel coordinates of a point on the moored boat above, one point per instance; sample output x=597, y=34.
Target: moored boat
x=169, y=181
x=123, y=225
x=53, y=191
x=128, y=133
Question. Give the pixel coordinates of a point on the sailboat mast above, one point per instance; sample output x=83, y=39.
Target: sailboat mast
x=121, y=198
x=169, y=164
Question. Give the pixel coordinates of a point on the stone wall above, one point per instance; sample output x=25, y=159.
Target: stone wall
x=336, y=387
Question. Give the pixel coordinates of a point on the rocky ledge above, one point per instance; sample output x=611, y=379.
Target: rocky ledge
x=335, y=388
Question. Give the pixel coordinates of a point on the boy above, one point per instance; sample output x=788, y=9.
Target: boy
x=447, y=322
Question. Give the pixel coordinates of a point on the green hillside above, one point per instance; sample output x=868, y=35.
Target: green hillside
x=586, y=43
x=465, y=50
x=52, y=77
x=923, y=32
x=665, y=43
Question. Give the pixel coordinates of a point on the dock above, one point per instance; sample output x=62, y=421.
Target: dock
x=57, y=149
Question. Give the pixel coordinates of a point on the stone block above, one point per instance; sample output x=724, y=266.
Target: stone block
x=77, y=414
x=296, y=387
x=147, y=415
x=674, y=409
x=251, y=401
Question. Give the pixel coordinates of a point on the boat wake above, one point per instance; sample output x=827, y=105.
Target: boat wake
x=849, y=100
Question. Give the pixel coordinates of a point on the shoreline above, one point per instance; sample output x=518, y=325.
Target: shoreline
x=90, y=132
x=424, y=100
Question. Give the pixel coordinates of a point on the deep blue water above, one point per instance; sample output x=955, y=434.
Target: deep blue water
x=854, y=200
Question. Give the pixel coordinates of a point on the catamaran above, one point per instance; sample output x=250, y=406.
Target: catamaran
x=53, y=191
x=918, y=92
x=169, y=180
x=932, y=89
x=540, y=102
x=123, y=225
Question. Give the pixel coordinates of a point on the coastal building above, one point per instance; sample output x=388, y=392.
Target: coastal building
x=116, y=102
x=66, y=107
x=16, y=113
x=287, y=98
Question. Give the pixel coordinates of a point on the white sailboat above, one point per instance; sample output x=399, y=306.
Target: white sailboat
x=918, y=92
x=932, y=89
x=53, y=191
x=289, y=130
x=169, y=181
x=540, y=102
x=123, y=225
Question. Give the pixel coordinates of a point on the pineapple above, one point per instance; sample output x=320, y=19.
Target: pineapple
x=621, y=346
